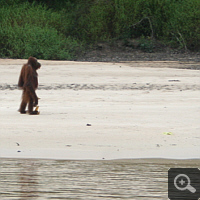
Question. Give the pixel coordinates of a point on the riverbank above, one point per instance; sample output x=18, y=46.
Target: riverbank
x=92, y=110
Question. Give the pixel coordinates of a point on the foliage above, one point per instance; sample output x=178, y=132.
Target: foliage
x=33, y=30
x=146, y=45
x=59, y=29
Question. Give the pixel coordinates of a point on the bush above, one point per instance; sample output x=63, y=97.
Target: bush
x=40, y=42
x=183, y=26
x=58, y=29
x=30, y=29
x=174, y=21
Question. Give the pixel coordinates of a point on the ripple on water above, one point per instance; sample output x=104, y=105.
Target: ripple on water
x=56, y=179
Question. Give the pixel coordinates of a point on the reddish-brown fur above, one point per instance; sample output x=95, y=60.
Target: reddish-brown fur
x=28, y=82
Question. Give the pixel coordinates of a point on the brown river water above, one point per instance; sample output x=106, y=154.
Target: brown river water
x=28, y=179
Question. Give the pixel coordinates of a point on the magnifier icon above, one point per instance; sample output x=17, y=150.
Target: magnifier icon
x=182, y=182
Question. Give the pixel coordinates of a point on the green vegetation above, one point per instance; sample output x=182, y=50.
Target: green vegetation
x=60, y=29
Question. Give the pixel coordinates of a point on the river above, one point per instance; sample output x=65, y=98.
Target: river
x=28, y=179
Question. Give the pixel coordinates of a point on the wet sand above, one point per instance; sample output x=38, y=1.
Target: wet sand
x=103, y=111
